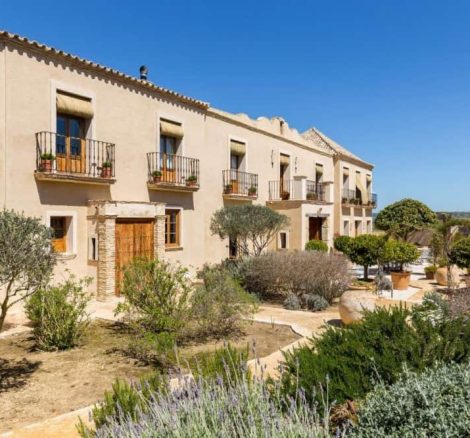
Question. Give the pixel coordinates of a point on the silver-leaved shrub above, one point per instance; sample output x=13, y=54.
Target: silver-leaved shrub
x=435, y=403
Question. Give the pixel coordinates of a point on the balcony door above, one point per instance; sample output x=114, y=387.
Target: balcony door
x=235, y=163
x=168, y=150
x=70, y=144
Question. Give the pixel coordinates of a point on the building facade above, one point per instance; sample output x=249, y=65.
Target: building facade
x=120, y=167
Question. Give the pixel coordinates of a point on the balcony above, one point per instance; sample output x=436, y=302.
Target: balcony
x=172, y=172
x=73, y=159
x=353, y=197
x=239, y=185
x=297, y=190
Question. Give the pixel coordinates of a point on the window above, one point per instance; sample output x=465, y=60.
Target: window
x=172, y=228
x=232, y=248
x=369, y=227
x=319, y=173
x=345, y=177
x=59, y=233
x=358, y=226
x=93, y=248
x=282, y=241
x=346, y=228
x=168, y=145
x=234, y=161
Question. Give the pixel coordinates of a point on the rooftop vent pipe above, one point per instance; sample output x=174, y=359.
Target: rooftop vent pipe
x=143, y=72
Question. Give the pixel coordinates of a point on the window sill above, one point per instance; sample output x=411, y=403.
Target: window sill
x=173, y=248
x=66, y=256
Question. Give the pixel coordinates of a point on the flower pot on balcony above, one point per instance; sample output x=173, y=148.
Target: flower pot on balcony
x=311, y=196
x=191, y=181
x=228, y=189
x=46, y=165
x=106, y=170
x=47, y=162
x=400, y=280
x=252, y=191
x=285, y=196
x=156, y=176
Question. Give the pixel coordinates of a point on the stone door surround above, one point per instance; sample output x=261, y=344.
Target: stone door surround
x=106, y=213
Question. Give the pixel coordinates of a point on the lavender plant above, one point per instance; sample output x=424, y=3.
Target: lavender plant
x=212, y=409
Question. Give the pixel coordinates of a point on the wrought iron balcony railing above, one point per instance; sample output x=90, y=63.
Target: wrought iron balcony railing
x=349, y=196
x=174, y=170
x=293, y=190
x=63, y=155
x=239, y=183
x=315, y=191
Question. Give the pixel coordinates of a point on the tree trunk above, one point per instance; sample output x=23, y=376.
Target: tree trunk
x=3, y=312
x=366, y=272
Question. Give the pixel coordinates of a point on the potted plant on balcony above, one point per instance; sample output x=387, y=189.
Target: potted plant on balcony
x=397, y=255
x=312, y=196
x=107, y=169
x=191, y=181
x=252, y=191
x=228, y=189
x=157, y=176
x=285, y=195
x=47, y=161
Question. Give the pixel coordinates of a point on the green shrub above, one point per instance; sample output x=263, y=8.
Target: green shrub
x=460, y=253
x=314, y=302
x=58, y=314
x=299, y=273
x=227, y=364
x=342, y=244
x=431, y=269
x=220, y=303
x=156, y=307
x=366, y=250
x=124, y=401
x=434, y=403
x=292, y=302
x=316, y=245
x=352, y=358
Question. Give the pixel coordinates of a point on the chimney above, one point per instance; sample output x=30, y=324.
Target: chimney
x=143, y=72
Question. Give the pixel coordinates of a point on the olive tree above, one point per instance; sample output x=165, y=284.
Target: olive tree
x=402, y=218
x=253, y=227
x=26, y=258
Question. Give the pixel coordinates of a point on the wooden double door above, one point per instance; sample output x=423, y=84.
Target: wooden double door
x=315, y=225
x=134, y=239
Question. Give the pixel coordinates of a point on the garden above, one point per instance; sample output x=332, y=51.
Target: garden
x=178, y=359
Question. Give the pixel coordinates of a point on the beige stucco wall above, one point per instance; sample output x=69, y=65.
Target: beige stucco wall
x=129, y=117
x=349, y=213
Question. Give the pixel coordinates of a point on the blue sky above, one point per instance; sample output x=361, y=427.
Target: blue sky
x=390, y=80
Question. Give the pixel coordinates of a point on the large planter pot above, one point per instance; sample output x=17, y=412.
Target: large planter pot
x=353, y=303
x=441, y=276
x=430, y=275
x=400, y=280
